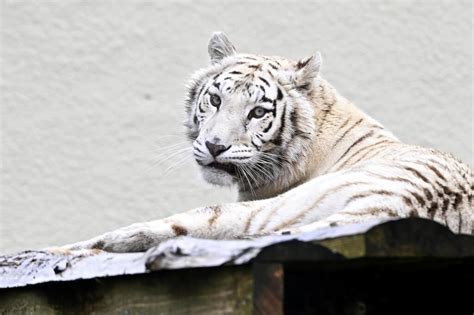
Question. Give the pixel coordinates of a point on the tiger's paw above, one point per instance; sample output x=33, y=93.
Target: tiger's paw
x=65, y=251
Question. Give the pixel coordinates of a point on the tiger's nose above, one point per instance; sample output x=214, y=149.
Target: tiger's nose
x=216, y=149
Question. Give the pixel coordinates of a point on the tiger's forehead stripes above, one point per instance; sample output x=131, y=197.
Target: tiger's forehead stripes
x=239, y=78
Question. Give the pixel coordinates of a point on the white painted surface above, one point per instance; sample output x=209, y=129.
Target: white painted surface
x=90, y=89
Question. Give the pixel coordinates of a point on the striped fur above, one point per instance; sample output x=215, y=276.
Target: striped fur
x=312, y=160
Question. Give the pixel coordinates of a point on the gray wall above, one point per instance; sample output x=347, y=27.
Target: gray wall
x=91, y=92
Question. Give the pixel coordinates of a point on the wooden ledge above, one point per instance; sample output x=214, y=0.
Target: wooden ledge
x=267, y=275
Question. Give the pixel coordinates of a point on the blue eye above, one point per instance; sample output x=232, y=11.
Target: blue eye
x=215, y=100
x=257, y=112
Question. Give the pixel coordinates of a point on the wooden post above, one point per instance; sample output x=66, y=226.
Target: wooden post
x=268, y=288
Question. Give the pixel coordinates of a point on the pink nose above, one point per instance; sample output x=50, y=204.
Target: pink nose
x=216, y=149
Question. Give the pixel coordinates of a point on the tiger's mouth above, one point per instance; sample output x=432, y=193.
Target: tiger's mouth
x=231, y=169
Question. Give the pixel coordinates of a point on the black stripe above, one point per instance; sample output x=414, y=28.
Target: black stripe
x=354, y=144
x=436, y=171
x=344, y=124
x=265, y=99
x=375, y=127
x=432, y=209
x=325, y=111
x=279, y=139
x=376, y=144
x=457, y=201
x=268, y=127
x=407, y=201
x=280, y=94
x=264, y=81
x=445, y=206
x=301, y=134
x=217, y=85
x=274, y=109
x=235, y=72
x=293, y=120
x=418, y=198
x=372, y=211
x=347, y=131
x=392, y=178
x=417, y=173
x=200, y=91
x=428, y=194
x=200, y=108
x=273, y=66
x=370, y=193
x=364, y=155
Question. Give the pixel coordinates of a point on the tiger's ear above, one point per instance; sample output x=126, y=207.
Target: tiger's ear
x=219, y=47
x=306, y=71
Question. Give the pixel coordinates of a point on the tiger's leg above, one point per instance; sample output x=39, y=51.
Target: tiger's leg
x=311, y=202
x=336, y=198
x=228, y=221
x=212, y=222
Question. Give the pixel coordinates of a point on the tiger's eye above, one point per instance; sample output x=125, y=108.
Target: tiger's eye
x=257, y=112
x=215, y=100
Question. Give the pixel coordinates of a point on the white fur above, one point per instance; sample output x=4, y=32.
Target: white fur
x=337, y=165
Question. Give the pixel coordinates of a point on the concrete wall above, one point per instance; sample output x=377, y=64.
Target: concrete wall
x=91, y=92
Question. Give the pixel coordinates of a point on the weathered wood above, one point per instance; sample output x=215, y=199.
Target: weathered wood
x=403, y=238
x=34, y=267
x=269, y=288
x=345, y=270
x=225, y=290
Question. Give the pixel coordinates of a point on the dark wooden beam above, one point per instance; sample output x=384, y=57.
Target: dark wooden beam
x=224, y=290
x=268, y=288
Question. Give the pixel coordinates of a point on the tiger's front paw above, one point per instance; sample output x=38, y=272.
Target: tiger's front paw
x=65, y=251
x=59, y=251
x=135, y=238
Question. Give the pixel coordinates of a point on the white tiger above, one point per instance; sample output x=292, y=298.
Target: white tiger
x=302, y=156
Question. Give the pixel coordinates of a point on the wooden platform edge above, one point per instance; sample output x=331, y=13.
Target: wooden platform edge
x=411, y=237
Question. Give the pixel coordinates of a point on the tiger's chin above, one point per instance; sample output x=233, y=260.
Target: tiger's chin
x=217, y=176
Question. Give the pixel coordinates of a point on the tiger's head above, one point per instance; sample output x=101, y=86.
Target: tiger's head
x=250, y=117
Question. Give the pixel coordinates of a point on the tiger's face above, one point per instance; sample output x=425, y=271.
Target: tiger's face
x=243, y=114
x=239, y=117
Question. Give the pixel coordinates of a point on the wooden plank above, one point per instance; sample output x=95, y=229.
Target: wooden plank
x=224, y=290
x=268, y=288
x=414, y=237
x=33, y=267
x=296, y=251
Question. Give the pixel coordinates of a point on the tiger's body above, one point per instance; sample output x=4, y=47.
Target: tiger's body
x=303, y=158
